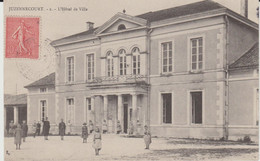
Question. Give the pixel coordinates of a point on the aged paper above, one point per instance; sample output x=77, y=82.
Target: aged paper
x=130, y=80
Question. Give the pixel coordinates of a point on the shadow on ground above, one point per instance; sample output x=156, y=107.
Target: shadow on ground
x=208, y=142
x=188, y=153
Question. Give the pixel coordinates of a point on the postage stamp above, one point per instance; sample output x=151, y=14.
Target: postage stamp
x=22, y=37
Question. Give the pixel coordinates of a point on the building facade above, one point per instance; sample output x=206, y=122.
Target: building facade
x=167, y=69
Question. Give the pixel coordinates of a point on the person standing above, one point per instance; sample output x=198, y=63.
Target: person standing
x=84, y=132
x=131, y=128
x=118, y=127
x=34, y=127
x=62, y=129
x=18, y=136
x=69, y=127
x=11, y=128
x=97, y=144
x=147, y=137
x=38, y=128
x=91, y=126
x=46, y=128
x=104, y=127
x=25, y=130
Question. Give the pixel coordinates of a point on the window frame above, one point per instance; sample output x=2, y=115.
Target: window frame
x=189, y=51
x=167, y=40
x=124, y=62
x=67, y=70
x=160, y=112
x=110, y=64
x=189, y=120
x=40, y=109
x=86, y=67
x=46, y=89
x=66, y=110
x=137, y=56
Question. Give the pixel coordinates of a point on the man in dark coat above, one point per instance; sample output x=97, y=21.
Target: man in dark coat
x=62, y=129
x=46, y=128
x=24, y=130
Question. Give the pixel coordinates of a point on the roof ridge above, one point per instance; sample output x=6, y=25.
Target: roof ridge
x=182, y=6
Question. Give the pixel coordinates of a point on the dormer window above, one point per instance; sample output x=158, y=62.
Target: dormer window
x=121, y=27
x=43, y=90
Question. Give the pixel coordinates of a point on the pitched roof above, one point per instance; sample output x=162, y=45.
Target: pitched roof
x=188, y=9
x=86, y=34
x=183, y=10
x=20, y=99
x=248, y=60
x=47, y=80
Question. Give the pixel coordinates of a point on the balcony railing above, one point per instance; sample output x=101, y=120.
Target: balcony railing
x=119, y=79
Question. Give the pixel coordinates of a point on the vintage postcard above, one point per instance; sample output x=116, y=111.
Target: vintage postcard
x=131, y=80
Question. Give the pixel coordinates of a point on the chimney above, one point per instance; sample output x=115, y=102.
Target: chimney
x=244, y=8
x=90, y=25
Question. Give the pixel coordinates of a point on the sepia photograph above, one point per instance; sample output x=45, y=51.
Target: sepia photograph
x=93, y=80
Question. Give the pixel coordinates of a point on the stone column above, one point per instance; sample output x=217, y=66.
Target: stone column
x=92, y=111
x=119, y=106
x=16, y=111
x=105, y=108
x=134, y=106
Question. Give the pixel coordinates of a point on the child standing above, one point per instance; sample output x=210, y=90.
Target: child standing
x=18, y=136
x=147, y=137
x=84, y=132
x=97, y=141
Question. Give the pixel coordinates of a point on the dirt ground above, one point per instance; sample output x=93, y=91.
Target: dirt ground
x=121, y=148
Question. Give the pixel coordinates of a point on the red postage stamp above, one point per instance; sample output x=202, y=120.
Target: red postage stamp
x=22, y=37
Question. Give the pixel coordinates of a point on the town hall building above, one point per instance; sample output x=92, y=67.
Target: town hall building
x=186, y=71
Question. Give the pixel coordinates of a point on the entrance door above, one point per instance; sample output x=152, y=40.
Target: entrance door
x=125, y=117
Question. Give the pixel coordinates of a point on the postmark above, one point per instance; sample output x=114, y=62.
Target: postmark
x=34, y=69
x=22, y=37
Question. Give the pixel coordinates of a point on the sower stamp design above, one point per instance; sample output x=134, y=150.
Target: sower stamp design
x=22, y=37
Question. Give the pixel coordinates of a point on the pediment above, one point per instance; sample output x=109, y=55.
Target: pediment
x=121, y=22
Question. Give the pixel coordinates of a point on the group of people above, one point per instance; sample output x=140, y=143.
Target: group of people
x=20, y=132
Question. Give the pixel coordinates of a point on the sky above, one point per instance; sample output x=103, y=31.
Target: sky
x=57, y=24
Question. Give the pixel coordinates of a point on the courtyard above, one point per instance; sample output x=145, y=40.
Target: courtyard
x=121, y=148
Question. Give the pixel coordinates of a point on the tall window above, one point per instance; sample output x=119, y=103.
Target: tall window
x=88, y=103
x=167, y=57
x=110, y=64
x=196, y=103
x=136, y=61
x=257, y=108
x=197, y=53
x=70, y=69
x=70, y=110
x=90, y=66
x=122, y=62
x=167, y=107
x=43, y=109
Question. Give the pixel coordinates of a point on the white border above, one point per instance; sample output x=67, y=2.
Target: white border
x=255, y=107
